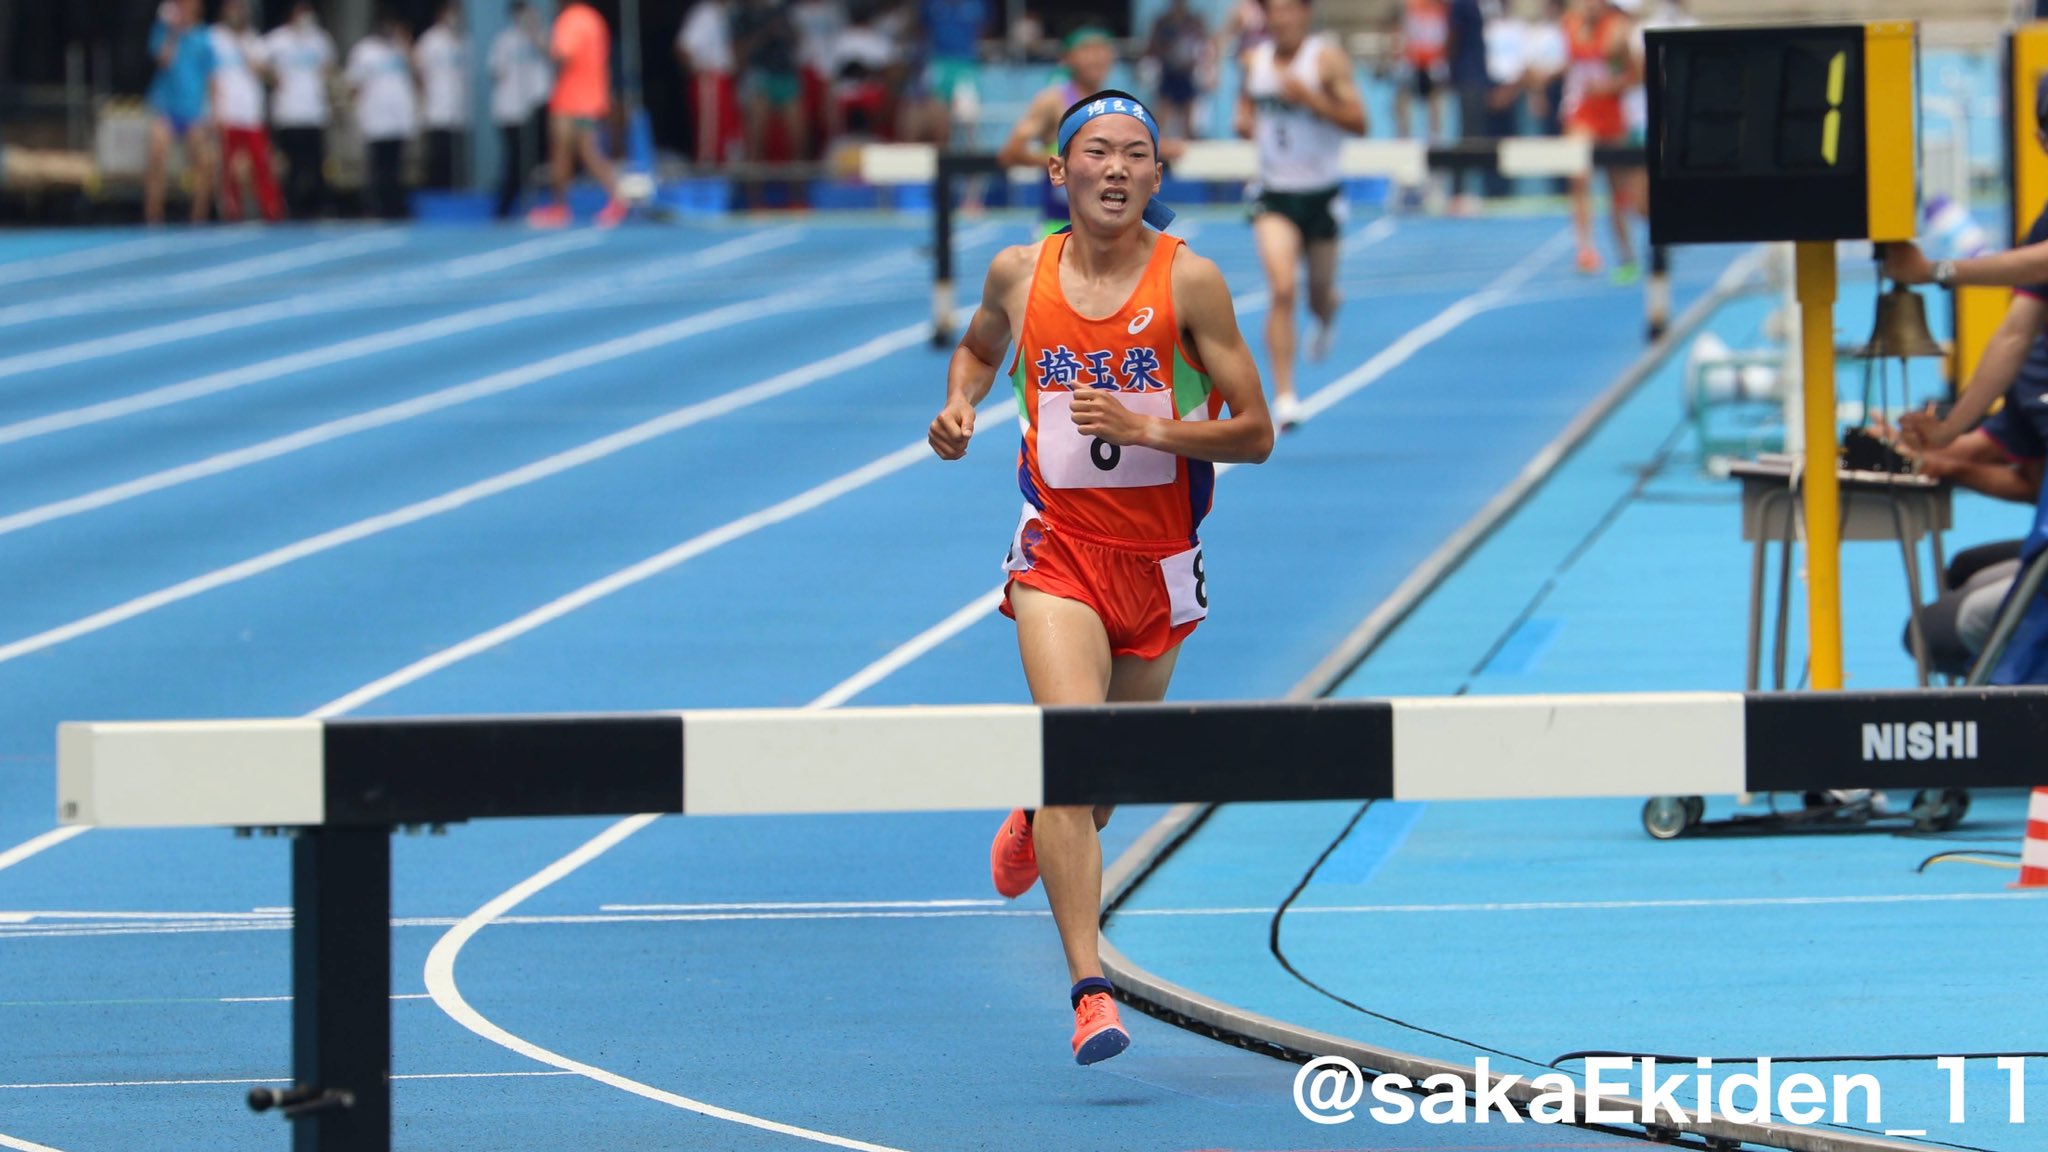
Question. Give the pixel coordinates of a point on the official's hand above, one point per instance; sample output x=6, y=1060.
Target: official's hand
x=951, y=429
x=1939, y=466
x=1098, y=413
x=1904, y=262
x=1923, y=431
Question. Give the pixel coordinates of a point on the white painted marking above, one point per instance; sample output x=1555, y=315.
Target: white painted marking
x=21, y=1145
x=46, y=914
x=375, y=290
x=660, y=562
x=210, y=1083
x=1905, y=1131
x=1432, y=330
x=340, y=353
x=440, y=975
x=119, y=253
x=803, y=906
x=288, y=999
x=170, y=288
x=470, y=493
x=33, y=845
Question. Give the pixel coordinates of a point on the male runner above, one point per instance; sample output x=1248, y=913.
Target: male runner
x=1603, y=67
x=582, y=46
x=1299, y=101
x=1127, y=352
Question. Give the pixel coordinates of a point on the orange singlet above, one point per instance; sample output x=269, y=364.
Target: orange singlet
x=1425, y=32
x=1587, y=113
x=1111, y=526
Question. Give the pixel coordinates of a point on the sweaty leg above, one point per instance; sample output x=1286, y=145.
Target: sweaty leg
x=1279, y=244
x=1621, y=187
x=1322, y=280
x=153, y=175
x=561, y=156
x=199, y=162
x=1066, y=661
x=596, y=162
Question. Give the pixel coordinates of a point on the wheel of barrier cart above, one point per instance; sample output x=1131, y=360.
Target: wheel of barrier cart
x=1940, y=811
x=1695, y=810
x=1667, y=817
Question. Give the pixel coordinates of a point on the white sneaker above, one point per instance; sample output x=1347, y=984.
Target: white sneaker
x=1320, y=340
x=1287, y=410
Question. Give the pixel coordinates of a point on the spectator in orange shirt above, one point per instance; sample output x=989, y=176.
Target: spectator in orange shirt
x=582, y=98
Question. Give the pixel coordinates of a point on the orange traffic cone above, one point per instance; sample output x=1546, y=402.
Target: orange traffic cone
x=2034, y=849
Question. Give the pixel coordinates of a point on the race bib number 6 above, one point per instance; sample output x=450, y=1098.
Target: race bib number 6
x=1069, y=459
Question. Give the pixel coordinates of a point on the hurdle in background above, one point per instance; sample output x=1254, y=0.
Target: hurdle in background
x=1406, y=163
x=342, y=786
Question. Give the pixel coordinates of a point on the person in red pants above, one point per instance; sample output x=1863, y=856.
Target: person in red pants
x=241, y=62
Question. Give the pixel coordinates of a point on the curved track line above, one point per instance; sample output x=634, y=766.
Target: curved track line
x=440, y=975
x=24, y=1145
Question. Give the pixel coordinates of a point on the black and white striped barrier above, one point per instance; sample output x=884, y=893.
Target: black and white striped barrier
x=342, y=785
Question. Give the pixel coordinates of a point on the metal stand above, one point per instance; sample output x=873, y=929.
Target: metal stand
x=340, y=1098
x=1874, y=506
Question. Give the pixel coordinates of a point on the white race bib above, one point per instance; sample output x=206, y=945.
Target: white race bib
x=1187, y=586
x=1067, y=459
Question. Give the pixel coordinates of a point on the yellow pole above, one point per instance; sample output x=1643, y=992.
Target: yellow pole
x=1821, y=490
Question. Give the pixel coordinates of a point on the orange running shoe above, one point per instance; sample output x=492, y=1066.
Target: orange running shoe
x=1098, y=1030
x=1589, y=261
x=613, y=212
x=548, y=216
x=1011, y=858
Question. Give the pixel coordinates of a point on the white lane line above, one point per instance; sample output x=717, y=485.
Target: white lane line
x=120, y=252
x=803, y=905
x=440, y=976
x=440, y=967
x=643, y=341
x=329, y=355
x=526, y=474
x=21, y=1145
x=969, y=911
x=69, y=914
x=30, y=847
x=169, y=288
x=1434, y=329
x=783, y=510
x=213, y=1083
x=375, y=290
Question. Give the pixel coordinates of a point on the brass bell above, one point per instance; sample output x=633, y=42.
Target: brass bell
x=1901, y=329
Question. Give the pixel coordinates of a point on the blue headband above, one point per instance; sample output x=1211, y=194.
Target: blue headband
x=1156, y=214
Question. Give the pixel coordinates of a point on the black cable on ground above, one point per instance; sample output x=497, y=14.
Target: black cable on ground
x=1280, y=954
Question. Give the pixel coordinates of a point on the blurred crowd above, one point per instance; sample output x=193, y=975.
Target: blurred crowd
x=777, y=81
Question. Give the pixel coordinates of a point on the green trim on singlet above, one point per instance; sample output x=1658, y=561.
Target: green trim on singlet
x=1017, y=386
x=1190, y=388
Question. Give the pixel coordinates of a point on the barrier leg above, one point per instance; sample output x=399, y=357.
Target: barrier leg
x=340, y=1099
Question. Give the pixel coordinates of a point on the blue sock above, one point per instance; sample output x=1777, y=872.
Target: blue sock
x=1089, y=987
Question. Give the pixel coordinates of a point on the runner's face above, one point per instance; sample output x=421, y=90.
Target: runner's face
x=1090, y=64
x=1287, y=20
x=1110, y=172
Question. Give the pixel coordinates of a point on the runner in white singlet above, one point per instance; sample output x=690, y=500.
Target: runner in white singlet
x=1298, y=104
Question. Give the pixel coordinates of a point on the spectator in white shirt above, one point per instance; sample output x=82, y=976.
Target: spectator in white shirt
x=817, y=26
x=704, y=47
x=380, y=79
x=302, y=60
x=520, y=81
x=864, y=66
x=240, y=64
x=442, y=60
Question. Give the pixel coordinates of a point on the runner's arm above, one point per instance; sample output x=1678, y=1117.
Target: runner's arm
x=979, y=356
x=1339, y=102
x=1026, y=146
